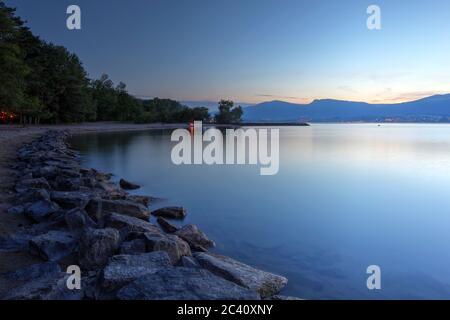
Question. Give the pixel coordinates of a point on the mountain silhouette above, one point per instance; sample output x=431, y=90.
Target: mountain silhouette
x=431, y=109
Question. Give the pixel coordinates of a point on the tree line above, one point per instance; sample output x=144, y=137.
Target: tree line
x=42, y=82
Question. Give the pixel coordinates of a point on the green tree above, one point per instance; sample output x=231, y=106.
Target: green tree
x=12, y=67
x=228, y=113
x=105, y=97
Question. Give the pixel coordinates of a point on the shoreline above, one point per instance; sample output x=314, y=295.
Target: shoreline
x=12, y=137
x=99, y=226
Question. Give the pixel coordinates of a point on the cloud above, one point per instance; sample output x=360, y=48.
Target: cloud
x=404, y=97
x=278, y=97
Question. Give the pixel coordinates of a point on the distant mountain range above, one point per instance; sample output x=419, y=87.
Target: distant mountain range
x=431, y=109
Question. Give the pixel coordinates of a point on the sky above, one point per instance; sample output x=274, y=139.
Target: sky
x=256, y=50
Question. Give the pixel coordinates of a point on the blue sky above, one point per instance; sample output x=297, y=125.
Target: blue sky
x=257, y=50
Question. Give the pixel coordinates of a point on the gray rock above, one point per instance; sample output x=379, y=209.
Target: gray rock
x=41, y=210
x=33, y=195
x=45, y=288
x=47, y=269
x=37, y=289
x=265, y=283
x=77, y=220
x=184, y=284
x=15, y=242
x=71, y=199
x=72, y=172
x=53, y=245
x=124, y=184
x=96, y=246
x=136, y=246
x=189, y=262
x=132, y=224
x=67, y=183
x=16, y=209
x=170, y=212
x=122, y=269
x=173, y=245
x=100, y=207
x=48, y=172
x=281, y=297
x=26, y=184
x=166, y=225
x=60, y=291
x=144, y=200
x=195, y=237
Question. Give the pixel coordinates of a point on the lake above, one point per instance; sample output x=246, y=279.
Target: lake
x=346, y=196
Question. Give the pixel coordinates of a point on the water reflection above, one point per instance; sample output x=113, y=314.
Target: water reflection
x=345, y=197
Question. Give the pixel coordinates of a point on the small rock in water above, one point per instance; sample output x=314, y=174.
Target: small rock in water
x=170, y=212
x=124, y=184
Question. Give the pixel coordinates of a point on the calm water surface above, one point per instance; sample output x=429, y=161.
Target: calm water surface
x=346, y=196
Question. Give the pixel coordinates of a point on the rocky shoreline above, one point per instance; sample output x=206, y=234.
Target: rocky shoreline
x=80, y=218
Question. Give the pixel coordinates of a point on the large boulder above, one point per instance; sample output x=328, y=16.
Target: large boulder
x=195, y=237
x=124, y=184
x=41, y=210
x=53, y=245
x=131, y=224
x=122, y=269
x=96, y=246
x=184, y=284
x=265, y=283
x=71, y=199
x=100, y=207
x=170, y=212
x=173, y=245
